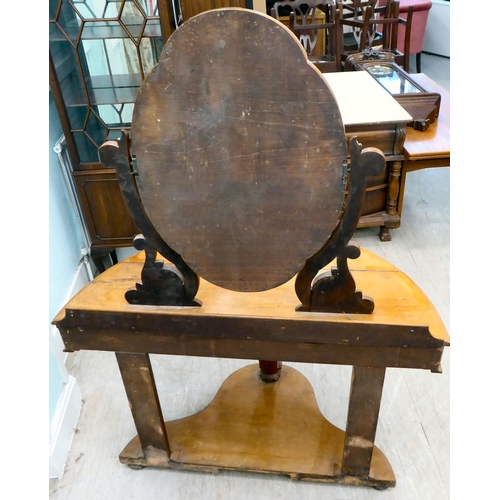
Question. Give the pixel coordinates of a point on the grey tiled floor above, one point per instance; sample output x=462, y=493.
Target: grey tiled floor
x=414, y=422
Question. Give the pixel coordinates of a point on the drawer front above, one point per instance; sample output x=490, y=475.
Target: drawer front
x=388, y=138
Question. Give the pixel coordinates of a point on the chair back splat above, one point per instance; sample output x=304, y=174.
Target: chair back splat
x=236, y=169
x=317, y=24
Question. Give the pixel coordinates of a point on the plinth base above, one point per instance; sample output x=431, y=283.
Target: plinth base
x=254, y=426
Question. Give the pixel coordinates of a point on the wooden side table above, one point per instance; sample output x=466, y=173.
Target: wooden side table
x=251, y=425
x=371, y=114
x=429, y=149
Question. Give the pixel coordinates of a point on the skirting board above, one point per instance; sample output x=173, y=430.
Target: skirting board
x=63, y=425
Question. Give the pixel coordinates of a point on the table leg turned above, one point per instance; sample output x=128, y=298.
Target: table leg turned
x=364, y=405
x=137, y=375
x=393, y=188
x=270, y=371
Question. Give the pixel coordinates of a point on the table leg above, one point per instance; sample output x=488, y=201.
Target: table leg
x=270, y=371
x=364, y=405
x=384, y=234
x=393, y=188
x=137, y=375
x=404, y=171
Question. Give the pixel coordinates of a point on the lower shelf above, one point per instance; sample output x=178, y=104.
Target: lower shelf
x=263, y=427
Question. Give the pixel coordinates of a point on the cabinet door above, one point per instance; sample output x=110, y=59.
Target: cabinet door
x=106, y=214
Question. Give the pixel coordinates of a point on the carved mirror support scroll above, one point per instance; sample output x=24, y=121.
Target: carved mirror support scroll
x=175, y=283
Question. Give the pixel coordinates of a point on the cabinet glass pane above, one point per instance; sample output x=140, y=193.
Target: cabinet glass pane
x=95, y=9
x=95, y=128
x=87, y=151
x=150, y=50
x=116, y=115
x=68, y=72
x=77, y=116
x=102, y=50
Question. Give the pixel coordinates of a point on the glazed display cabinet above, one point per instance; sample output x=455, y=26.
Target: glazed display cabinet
x=100, y=52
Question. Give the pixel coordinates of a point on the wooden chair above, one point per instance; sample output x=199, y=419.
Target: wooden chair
x=420, y=10
x=238, y=176
x=377, y=27
x=316, y=23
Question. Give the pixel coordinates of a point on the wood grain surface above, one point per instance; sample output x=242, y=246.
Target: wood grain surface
x=240, y=149
x=263, y=427
x=434, y=143
x=399, y=301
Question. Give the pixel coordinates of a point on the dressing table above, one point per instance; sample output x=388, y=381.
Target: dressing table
x=247, y=195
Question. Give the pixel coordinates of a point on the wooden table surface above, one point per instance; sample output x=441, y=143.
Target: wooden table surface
x=398, y=300
x=405, y=329
x=252, y=425
x=434, y=143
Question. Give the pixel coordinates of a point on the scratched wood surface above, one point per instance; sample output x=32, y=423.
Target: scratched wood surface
x=255, y=426
x=398, y=301
x=239, y=156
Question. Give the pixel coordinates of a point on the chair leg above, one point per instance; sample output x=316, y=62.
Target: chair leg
x=419, y=62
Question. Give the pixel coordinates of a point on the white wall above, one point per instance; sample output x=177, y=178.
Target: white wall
x=65, y=242
x=437, y=32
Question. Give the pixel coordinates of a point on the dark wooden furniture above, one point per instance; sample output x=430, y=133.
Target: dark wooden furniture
x=422, y=104
x=421, y=10
x=429, y=149
x=380, y=122
x=411, y=149
x=246, y=190
x=190, y=8
x=316, y=23
x=376, y=26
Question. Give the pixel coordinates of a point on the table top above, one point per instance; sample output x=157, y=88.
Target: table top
x=363, y=101
x=375, y=105
x=398, y=300
x=434, y=143
x=404, y=331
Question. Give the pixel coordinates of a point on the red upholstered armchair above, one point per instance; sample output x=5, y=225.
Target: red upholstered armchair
x=421, y=10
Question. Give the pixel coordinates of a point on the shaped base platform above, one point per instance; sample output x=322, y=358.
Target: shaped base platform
x=256, y=426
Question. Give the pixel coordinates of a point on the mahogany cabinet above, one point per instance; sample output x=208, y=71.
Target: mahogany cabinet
x=99, y=53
